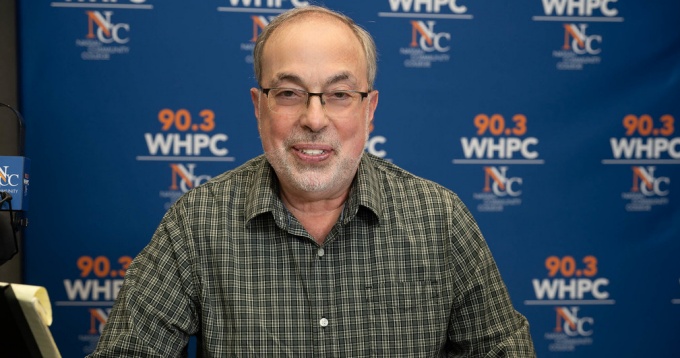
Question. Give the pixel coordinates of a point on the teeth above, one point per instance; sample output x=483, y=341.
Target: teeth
x=312, y=151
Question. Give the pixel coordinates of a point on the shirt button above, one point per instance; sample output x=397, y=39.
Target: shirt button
x=323, y=322
x=321, y=252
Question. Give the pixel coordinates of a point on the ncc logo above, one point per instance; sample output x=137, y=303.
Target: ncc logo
x=646, y=182
x=569, y=323
x=101, y=27
x=577, y=40
x=496, y=180
x=429, y=40
x=7, y=178
x=183, y=177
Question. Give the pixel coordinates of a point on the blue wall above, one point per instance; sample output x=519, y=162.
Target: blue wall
x=556, y=121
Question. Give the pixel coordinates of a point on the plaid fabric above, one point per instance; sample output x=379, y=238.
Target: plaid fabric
x=405, y=272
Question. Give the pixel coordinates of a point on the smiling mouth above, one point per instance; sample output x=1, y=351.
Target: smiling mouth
x=312, y=151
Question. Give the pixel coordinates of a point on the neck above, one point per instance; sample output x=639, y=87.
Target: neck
x=312, y=205
x=317, y=216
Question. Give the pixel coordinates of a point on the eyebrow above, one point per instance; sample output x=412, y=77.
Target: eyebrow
x=287, y=77
x=341, y=77
x=290, y=77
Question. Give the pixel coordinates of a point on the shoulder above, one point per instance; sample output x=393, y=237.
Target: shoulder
x=246, y=170
x=429, y=213
x=400, y=181
x=419, y=201
x=227, y=187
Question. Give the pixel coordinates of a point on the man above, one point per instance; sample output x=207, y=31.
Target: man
x=316, y=248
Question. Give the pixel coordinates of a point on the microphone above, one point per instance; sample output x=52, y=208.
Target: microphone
x=5, y=197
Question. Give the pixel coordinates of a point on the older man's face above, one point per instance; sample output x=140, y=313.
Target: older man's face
x=314, y=151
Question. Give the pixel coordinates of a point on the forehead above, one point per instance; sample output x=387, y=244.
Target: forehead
x=321, y=23
x=313, y=45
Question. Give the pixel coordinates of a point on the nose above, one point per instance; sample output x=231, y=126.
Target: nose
x=314, y=117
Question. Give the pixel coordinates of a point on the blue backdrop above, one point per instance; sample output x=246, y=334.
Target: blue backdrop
x=554, y=120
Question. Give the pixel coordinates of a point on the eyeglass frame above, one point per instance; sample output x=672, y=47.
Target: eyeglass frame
x=312, y=94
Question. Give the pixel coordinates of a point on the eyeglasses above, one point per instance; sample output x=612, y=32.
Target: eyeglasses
x=292, y=101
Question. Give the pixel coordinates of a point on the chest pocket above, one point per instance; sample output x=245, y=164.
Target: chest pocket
x=404, y=296
x=408, y=318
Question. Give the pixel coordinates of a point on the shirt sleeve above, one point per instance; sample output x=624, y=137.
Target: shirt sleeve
x=483, y=321
x=154, y=314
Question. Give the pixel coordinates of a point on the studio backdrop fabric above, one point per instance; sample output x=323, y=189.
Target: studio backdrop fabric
x=555, y=121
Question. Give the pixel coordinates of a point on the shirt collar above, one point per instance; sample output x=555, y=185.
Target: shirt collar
x=366, y=190
x=262, y=191
x=263, y=194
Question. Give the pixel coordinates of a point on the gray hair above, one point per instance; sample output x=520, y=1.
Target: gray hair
x=362, y=35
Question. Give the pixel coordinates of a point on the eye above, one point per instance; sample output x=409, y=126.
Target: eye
x=339, y=95
x=287, y=93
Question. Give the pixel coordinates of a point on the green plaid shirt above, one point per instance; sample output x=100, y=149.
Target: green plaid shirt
x=405, y=272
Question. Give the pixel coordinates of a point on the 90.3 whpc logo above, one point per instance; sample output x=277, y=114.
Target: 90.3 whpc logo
x=581, y=46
